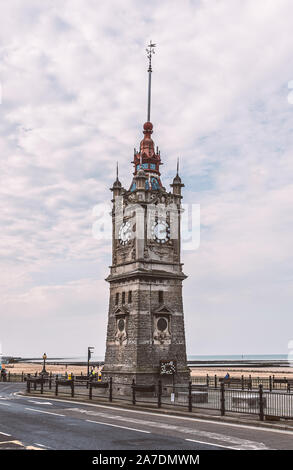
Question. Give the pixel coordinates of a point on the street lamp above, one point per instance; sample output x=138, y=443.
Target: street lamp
x=44, y=365
x=89, y=355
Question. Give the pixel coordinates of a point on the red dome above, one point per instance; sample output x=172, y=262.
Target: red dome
x=148, y=126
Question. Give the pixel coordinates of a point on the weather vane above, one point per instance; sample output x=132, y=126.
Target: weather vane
x=150, y=51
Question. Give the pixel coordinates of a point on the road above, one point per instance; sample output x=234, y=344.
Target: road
x=42, y=423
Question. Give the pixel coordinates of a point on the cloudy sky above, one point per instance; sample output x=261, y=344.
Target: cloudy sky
x=74, y=84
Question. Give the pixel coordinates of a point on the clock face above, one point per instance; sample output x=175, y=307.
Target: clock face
x=161, y=231
x=124, y=233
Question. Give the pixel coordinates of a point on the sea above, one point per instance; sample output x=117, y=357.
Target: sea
x=192, y=357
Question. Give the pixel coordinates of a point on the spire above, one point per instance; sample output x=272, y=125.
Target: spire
x=117, y=184
x=147, y=158
x=150, y=51
x=177, y=183
x=177, y=179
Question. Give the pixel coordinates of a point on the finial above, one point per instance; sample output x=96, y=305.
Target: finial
x=150, y=51
x=177, y=167
x=117, y=179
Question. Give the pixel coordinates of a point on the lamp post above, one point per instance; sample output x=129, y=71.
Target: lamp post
x=44, y=372
x=89, y=355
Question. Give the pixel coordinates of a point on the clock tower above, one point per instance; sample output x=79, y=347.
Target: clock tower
x=145, y=320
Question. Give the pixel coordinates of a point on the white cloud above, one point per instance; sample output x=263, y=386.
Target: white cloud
x=73, y=78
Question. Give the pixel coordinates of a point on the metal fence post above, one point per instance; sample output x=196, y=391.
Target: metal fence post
x=159, y=393
x=22, y=376
x=208, y=380
x=56, y=387
x=8, y=376
x=133, y=391
x=190, y=396
x=261, y=413
x=50, y=382
x=90, y=390
x=28, y=385
x=111, y=389
x=72, y=385
x=216, y=381
x=222, y=399
x=242, y=382
x=270, y=383
x=42, y=385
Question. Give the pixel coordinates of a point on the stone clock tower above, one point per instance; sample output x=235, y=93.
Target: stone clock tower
x=146, y=322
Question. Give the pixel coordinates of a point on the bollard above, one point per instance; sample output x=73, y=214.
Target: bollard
x=50, y=382
x=28, y=384
x=159, y=393
x=56, y=387
x=190, y=396
x=22, y=376
x=9, y=376
x=133, y=391
x=242, y=382
x=222, y=399
x=216, y=381
x=90, y=390
x=111, y=390
x=270, y=383
x=261, y=413
x=42, y=385
x=208, y=380
x=72, y=385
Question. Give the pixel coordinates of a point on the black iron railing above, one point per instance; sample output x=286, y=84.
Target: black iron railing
x=191, y=397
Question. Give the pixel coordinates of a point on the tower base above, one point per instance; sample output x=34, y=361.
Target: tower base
x=147, y=382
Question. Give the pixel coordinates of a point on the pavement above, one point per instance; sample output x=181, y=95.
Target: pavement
x=34, y=422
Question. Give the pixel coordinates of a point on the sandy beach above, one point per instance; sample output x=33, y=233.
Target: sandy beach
x=31, y=368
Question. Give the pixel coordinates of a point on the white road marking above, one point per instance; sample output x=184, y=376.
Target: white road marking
x=40, y=402
x=116, y=426
x=242, y=443
x=46, y=412
x=6, y=404
x=210, y=444
x=184, y=418
x=42, y=445
x=5, y=434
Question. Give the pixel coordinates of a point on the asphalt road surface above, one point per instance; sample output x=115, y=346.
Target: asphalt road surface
x=42, y=423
